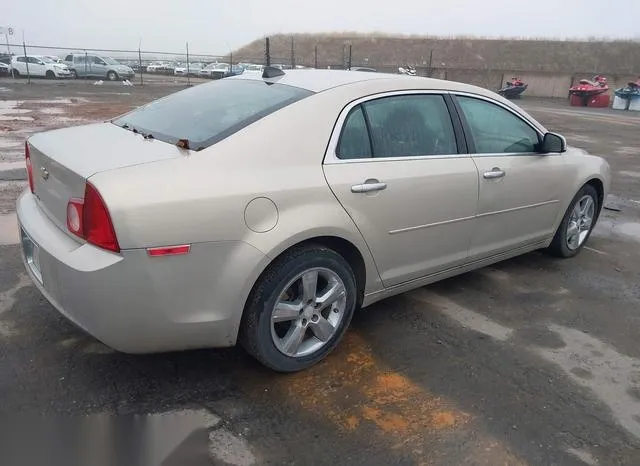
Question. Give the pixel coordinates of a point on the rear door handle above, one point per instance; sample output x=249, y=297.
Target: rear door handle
x=368, y=187
x=494, y=173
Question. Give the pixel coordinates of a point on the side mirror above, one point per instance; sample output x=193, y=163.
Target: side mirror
x=553, y=143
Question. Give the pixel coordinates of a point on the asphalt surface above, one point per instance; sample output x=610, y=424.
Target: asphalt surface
x=534, y=361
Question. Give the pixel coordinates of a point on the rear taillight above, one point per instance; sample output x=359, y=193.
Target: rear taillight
x=89, y=218
x=27, y=157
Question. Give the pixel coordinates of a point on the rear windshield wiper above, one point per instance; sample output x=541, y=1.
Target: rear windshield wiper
x=137, y=131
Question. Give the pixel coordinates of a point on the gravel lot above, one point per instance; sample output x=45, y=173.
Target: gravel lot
x=531, y=361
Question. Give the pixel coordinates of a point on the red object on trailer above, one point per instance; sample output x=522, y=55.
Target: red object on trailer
x=585, y=92
x=600, y=100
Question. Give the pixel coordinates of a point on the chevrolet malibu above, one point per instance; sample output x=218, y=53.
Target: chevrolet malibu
x=266, y=209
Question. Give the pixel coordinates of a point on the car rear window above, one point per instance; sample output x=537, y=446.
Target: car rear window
x=208, y=113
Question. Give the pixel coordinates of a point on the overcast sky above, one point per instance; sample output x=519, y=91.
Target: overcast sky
x=211, y=26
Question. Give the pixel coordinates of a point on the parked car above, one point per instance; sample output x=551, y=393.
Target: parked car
x=363, y=68
x=235, y=70
x=4, y=69
x=98, y=66
x=251, y=68
x=214, y=70
x=386, y=183
x=155, y=66
x=38, y=65
x=193, y=69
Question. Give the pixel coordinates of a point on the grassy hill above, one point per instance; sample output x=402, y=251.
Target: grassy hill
x=589, y=57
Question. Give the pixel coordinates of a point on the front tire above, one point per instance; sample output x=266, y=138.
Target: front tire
x=299, y=309
x=16, y=73
x=74, y=74
x=577, y=223
x=112, y=76
x=50, y=75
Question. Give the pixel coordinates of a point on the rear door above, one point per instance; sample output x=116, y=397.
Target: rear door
x=520, y=189
x=399, y=167
x=81, y=65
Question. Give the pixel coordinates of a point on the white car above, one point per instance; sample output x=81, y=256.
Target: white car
x=193, y=69
x=215, y=70
x=250, y=68
x=39, y=65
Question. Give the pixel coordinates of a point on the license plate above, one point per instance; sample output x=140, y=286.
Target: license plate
x=31, y=254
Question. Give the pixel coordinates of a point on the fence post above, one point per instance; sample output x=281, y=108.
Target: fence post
x=188, y=71
x=140, y=66
x=293, y=57
x=267, y=52
x=430, y=60
x=315, y=51
x=24, y=47
x=85, y=65
x=349, y=63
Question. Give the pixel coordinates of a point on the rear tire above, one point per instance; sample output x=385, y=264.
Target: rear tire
x=577, y=223
x=323, y=320
x=112, y=76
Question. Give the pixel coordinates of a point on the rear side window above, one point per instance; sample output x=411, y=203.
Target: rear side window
x=354, y=141
x=398, y=126
x=208, y=113
x=410, y=125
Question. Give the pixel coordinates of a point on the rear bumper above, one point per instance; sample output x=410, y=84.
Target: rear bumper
x=135, y=303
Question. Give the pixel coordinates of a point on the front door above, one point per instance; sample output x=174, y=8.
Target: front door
x=36, y=67
x=520, y=189
x=397, y=171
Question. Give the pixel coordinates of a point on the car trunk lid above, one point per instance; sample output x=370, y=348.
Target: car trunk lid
x=62, y=161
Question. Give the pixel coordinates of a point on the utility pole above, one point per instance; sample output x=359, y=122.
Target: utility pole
x=293, y=57
x=316, y=56
x=430, y=60
x=349, y=64
x=267, y=52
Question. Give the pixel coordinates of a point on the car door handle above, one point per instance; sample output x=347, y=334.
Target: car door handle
x=494, y=173
x=368, y=187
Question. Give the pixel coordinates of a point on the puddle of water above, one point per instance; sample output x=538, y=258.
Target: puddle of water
x=629, y=173
x=8, y=105
x=465, y=317
x=61, y=101
x=52, y=111
x=15, y=118
x=8, y=229
x=627, y=150
x=612, y=376
x=8, y=144
x=11, y=165
x=629, y=229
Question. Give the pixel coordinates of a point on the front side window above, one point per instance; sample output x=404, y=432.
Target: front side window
x=410, y=125
x=22, y=59
x=495, y=130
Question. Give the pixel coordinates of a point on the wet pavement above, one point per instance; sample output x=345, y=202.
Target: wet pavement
x=533, y=361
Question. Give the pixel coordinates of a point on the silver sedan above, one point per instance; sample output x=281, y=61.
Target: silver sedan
x=267, y=209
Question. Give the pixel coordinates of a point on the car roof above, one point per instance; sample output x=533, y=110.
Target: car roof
x=321, y=80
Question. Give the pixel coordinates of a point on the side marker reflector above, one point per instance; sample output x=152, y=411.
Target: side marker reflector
x=169, y=250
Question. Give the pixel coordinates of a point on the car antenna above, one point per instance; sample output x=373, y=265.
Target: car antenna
x=272, y=72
